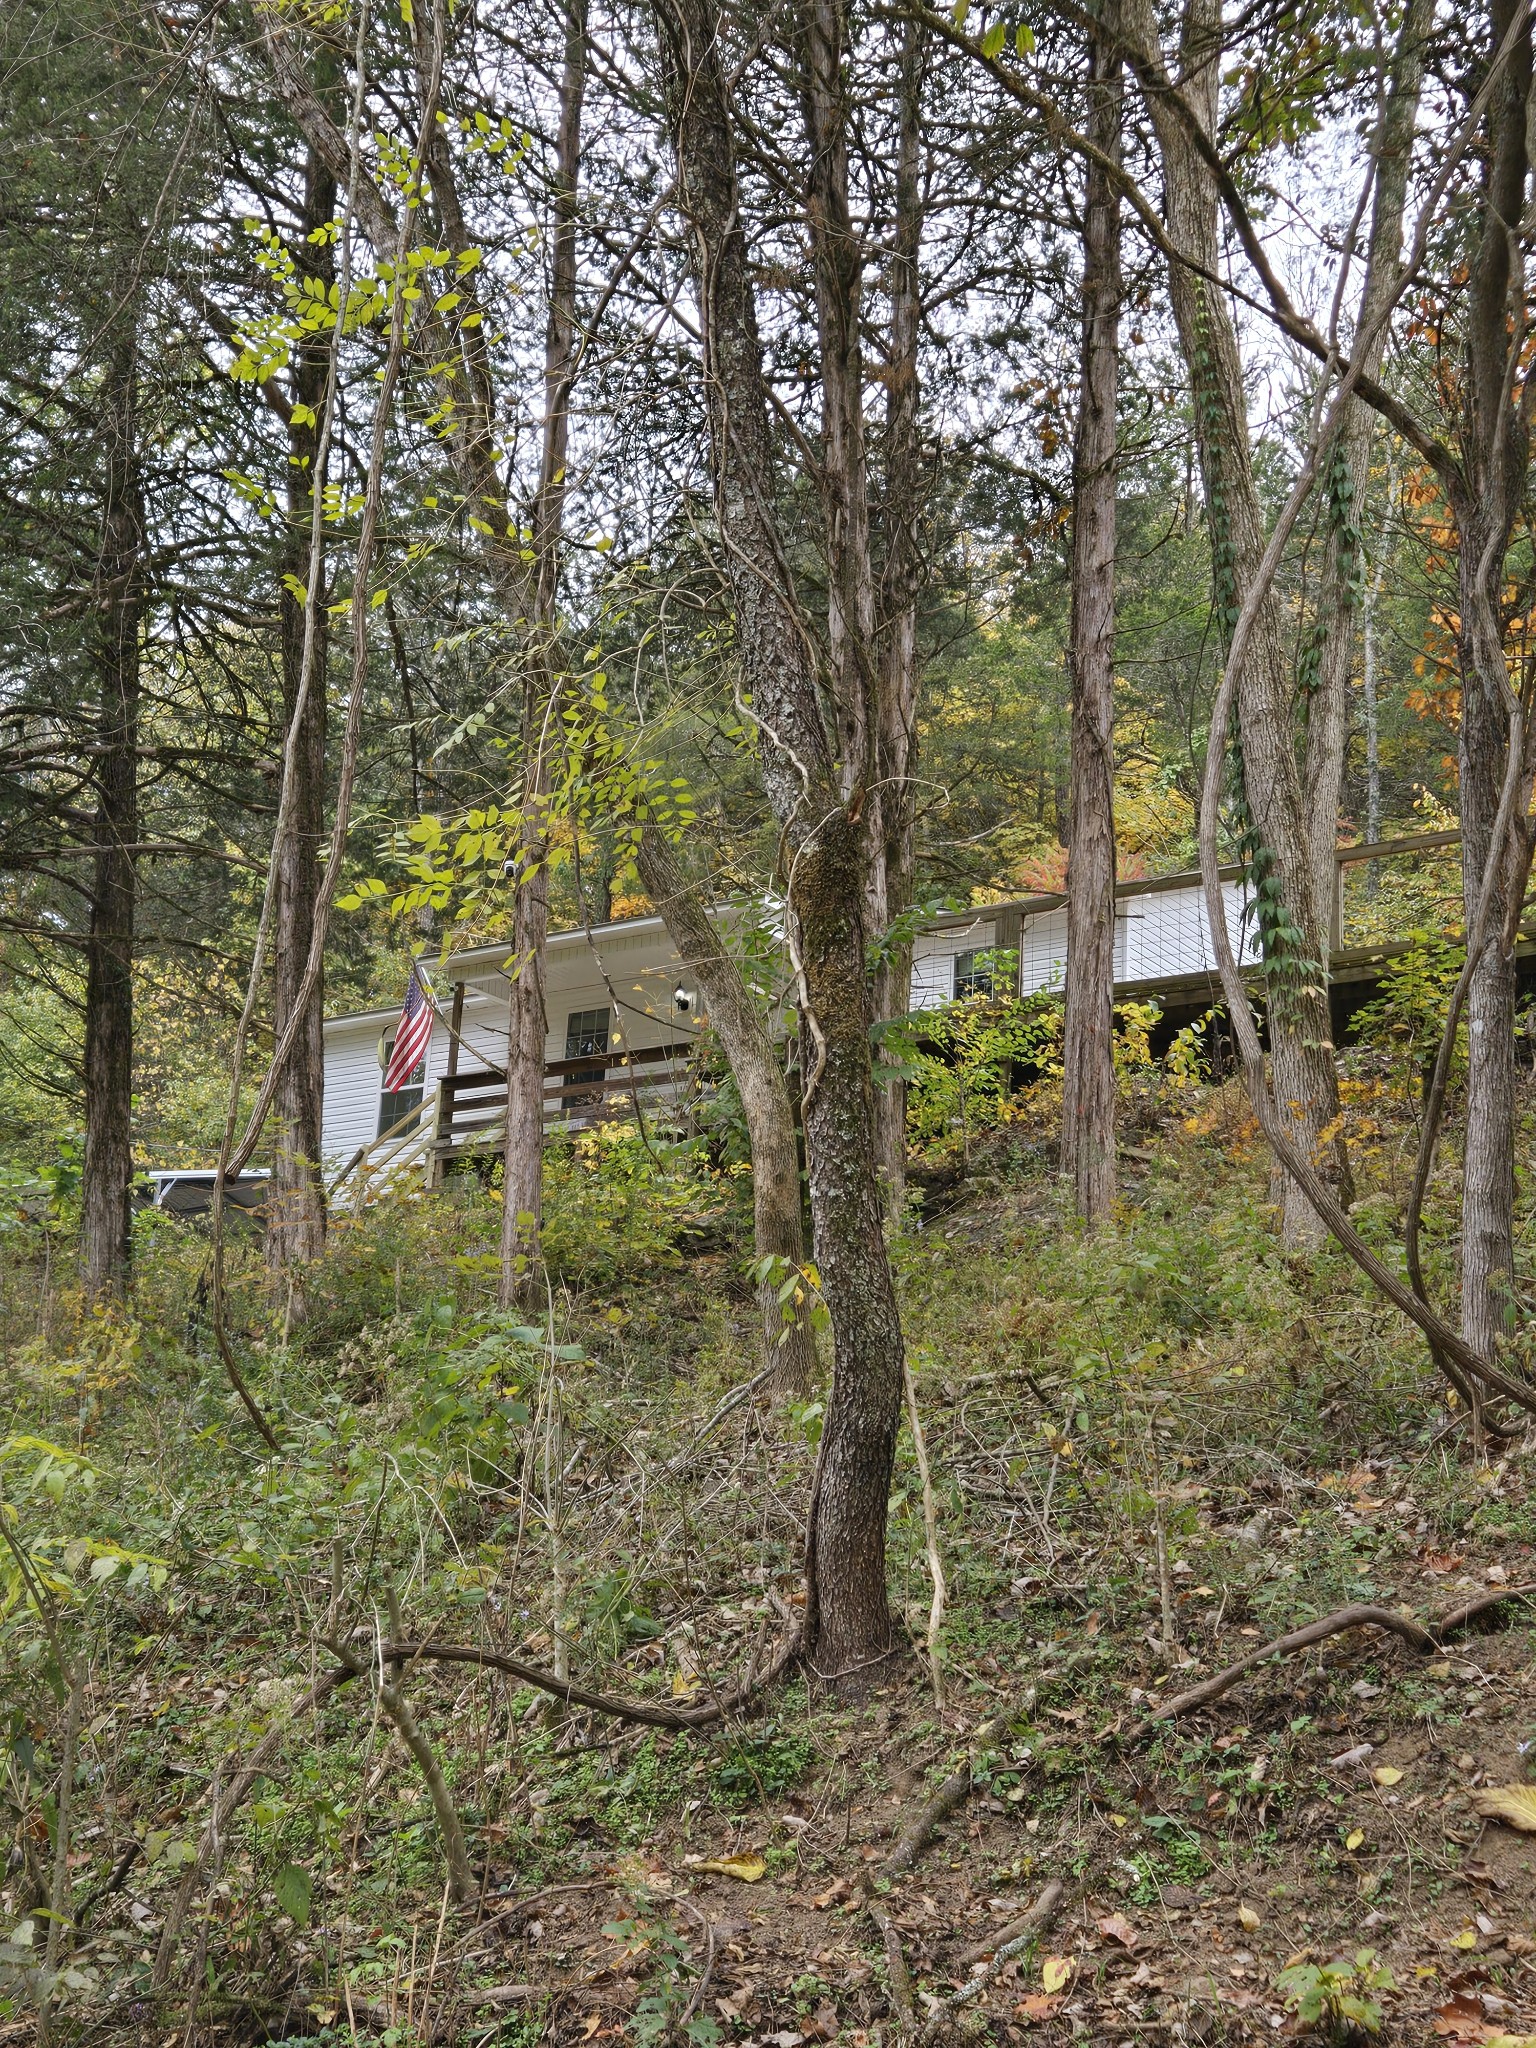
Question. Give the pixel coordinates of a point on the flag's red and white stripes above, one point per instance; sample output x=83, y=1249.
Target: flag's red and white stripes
x=412, y=1033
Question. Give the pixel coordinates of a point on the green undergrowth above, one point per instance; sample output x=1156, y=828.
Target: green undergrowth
x=1170, y=1424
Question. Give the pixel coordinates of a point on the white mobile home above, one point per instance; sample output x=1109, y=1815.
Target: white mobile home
x=622, y=1011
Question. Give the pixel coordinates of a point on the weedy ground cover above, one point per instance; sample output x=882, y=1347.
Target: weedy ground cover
x=1150, y=1451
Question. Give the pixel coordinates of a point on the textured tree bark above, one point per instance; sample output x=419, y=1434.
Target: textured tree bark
x=1300, y=1030
x=776, y=1222
x=527, y=1021
x=296, y=1205
x=1495, y=446
x=902, y=511
x=848, y=1628
x=107, y=1176
x=1341, y=586
x=1088, y=1090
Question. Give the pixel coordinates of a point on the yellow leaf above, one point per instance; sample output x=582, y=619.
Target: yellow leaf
x=1354, y=1838
x=1515, y=1805
x=684, y=1684
x=748, y=1867
x=1466, y=1939
x=1387, y=1774
x=1055, y=1971
x=1117, y=1820
x=1248, y=1917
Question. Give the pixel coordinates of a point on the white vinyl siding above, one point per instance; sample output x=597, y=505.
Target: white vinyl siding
x=1166, y=933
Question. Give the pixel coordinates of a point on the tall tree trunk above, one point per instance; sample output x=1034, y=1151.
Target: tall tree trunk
x=108, y=1166
x=296, y=1206
x=1088, y=1092
x=1342, y=583
x=1271, y=799
x=754, y=1061
x=1370, y=711
x=1495, y=448
x=528, y=1023
x=848, y=1623
x=901, y=514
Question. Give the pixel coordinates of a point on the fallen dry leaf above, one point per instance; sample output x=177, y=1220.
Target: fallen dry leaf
x=1515, y=1805
x=836, y=1890
x=748, y=1867
x=1055, y=1972
x=1387, y=1774
x=1248, y=1917
x=1036, y=2007
x=1115, y=1927
x=594, y=2021
x=1461, y=2019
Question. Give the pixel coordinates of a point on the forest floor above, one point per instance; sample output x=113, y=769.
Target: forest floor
x=1151, y=1452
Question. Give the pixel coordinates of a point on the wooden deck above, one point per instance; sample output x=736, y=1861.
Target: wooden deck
x=471, y=1107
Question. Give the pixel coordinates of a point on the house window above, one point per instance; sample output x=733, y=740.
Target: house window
x=586, y=1034
x=396, y=1103
x=976, y=973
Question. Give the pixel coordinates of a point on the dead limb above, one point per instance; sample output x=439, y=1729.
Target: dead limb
x=1460, y=1616
x=461, y=1878
x=895, y=1967
x=910, y=1844
x=1035, y=1921
x=574, y=1695
x=707, y=1971
x=675, y=1467
x=930, y=1533
x=951, y=1795
x=350, y=1666
x=1425, y=1639
x=1039, y=1916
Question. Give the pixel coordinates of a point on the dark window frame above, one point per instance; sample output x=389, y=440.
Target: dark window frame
x=395, y=1103
x=587, y=1033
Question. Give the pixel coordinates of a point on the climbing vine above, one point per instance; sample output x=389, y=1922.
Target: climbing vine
x=1286, y=958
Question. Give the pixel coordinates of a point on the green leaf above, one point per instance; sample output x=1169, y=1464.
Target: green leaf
x=992, y=42
x=1024, y=39
x=294, y=1892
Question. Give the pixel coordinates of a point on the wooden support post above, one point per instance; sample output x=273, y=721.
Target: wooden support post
x=1010, y=939
x=455, y=1026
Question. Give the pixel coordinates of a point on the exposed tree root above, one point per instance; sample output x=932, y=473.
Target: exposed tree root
x=1425, y=1638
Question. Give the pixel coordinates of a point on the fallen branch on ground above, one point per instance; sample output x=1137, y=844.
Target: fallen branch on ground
x=574, y=1695
x=1029, y=1927
x=447, y=1653
x=952, y=1794
x=1425, y=1638
x=910, y=1844
x=895, y=1966
x=1035, y=1921
x=736, y=1398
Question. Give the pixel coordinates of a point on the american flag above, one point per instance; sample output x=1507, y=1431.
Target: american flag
x=411, y=1033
